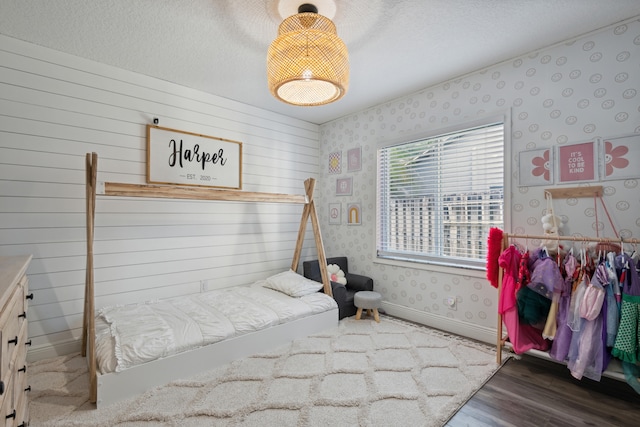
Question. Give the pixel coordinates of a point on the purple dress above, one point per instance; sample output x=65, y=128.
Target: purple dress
x=586, y=352
x=562, y=340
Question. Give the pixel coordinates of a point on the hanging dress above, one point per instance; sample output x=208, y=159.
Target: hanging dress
x=534, y=300
x=562, y=340
x=613, y=301
x=627, y=341
x=551, y=326
x=523, y=337
x=587, y=348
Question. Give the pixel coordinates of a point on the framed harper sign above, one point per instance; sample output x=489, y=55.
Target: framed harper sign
x=185, y=158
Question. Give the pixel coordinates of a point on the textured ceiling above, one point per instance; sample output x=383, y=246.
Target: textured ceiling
x=219, y=46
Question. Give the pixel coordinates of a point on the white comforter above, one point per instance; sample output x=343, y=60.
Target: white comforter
x=138, y=333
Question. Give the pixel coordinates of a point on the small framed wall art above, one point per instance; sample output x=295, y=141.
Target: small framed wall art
x=536, y=167
x=335, y=162
x=577, y=162
x=354, y=159
x=354, y=215
x=344, y=186
x=335, y=213
x=617, y=154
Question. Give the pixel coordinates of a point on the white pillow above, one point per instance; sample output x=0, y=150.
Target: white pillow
x=292, y=284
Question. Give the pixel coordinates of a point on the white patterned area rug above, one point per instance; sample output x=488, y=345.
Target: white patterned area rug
x=361, y=373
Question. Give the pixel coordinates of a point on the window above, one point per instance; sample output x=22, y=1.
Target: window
x=439, y=196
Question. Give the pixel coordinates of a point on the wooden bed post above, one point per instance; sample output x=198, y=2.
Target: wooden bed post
x=88, y=323
x=310, y=210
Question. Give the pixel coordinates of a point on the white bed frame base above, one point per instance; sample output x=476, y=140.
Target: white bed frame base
x=134, y=381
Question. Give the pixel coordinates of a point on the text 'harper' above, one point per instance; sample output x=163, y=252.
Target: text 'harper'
x=194, y=155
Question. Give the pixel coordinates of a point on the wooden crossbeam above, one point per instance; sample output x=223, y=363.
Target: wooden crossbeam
x=197, y=193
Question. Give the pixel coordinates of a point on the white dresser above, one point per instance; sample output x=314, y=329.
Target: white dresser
x=14, y=299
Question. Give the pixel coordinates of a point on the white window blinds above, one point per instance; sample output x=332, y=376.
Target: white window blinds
x=438, y=197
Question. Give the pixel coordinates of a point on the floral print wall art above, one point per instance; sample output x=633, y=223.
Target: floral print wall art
x=617, y=153
x=536, y=167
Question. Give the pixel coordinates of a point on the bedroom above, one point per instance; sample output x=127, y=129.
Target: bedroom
x=58, y=106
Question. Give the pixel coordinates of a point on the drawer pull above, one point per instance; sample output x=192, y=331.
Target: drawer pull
x=28, y=343
x=23, y=369
x=24, y=314
x=30, y=296
x=28, y=388
x=12, y=415
x=13, y=341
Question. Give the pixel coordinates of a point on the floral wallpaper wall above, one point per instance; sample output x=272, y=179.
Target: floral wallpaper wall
x=573, y=106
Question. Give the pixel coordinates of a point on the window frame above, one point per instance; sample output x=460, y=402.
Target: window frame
x=439, y=263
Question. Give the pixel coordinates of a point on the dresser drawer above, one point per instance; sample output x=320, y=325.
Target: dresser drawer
x=26, y=297
x=7, y=416
x=20, y=369
x=10, y=325
x=14, y=301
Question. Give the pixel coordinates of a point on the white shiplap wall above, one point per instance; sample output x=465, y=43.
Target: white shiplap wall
x=54, y=108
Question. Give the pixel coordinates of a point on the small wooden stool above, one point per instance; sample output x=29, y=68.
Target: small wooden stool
x=367, y=300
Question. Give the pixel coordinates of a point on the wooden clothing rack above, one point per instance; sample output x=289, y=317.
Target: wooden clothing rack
x=180, y=192
x=506, y=237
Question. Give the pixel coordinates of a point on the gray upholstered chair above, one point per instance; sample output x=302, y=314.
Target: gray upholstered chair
x=342, y=294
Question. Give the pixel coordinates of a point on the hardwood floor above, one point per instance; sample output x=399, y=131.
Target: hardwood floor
x=534, y=392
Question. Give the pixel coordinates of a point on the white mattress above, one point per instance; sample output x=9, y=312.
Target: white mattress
x=133, y=334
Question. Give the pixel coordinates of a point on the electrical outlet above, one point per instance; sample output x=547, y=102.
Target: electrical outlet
x=451, y=303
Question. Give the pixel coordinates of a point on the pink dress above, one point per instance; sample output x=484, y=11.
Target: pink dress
x=523, y=337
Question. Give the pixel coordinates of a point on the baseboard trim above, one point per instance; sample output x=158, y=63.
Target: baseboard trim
x=453, y=326
x=53, y=350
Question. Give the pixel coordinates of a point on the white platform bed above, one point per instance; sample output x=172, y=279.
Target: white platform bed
x=269, y=315
x=204, y=330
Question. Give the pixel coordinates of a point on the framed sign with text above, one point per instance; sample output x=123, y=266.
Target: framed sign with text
x=577, y=162
x=185, y=158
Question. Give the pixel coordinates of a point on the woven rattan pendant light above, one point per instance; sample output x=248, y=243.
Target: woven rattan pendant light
x=308, y=64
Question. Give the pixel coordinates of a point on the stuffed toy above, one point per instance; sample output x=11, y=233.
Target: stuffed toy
x=551, y=223
x=336, y=274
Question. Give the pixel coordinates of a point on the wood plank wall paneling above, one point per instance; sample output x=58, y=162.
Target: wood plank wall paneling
x=54, y=108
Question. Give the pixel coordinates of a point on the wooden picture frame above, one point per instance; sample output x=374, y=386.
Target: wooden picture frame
x=185, y=158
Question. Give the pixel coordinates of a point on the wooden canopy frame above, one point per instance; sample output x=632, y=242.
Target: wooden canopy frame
x=180, y=192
